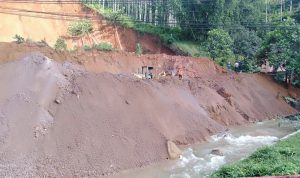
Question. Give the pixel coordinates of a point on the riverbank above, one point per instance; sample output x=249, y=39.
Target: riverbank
x=280, y=159
x=199, y=161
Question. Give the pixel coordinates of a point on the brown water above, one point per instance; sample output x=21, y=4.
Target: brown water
x=236, y=144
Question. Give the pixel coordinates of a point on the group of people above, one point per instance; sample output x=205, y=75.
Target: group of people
x=237, y=66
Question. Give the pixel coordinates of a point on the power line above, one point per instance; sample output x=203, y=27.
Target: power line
x=190, y=23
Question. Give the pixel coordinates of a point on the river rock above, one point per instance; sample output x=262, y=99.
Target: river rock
x=173, y=150
x=217, y=152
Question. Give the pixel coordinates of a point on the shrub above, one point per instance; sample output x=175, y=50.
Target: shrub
x=138, y=49
x=87, y=48
x=60, y=45
x=219, y=46
x=104, y=46
x=19, y=39
x=279, y=77
x=80, y=28
x=42, y=43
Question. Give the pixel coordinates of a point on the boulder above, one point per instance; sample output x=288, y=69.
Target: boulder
x=173, y=150
x=217, y=152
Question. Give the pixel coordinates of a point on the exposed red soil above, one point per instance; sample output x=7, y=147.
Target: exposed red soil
x=96, y=118
x=48, y=21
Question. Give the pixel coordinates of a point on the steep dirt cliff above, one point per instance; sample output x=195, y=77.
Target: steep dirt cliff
x=48, y=20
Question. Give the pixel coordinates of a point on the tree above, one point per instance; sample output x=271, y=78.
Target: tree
x=219, y=45
x=281, y=48
x=246, y=43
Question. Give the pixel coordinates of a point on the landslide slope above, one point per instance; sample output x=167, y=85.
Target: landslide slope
x=62, y=120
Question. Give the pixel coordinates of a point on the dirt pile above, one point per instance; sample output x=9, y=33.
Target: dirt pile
x=41, y=20
x=61, y=120
x=102, y=122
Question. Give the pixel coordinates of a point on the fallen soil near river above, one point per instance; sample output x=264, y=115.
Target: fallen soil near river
x=59, y=118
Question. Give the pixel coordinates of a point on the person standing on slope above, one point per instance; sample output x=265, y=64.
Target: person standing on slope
x=236, y=66
x=229, y=69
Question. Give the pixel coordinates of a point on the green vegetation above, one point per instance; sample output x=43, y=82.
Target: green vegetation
x=281, y=49
x=80, y=28
x=283, y=158
x=19, y=39
x=219, y=45
x=104, y=46
x=138, y=49
x=167, y=34
x=252, y=32
x=60, y=45
x=190, y=48
x=87, y=47
x=290, y=101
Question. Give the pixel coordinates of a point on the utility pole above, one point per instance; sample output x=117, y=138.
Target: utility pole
x=291, y=6
x=266, y=11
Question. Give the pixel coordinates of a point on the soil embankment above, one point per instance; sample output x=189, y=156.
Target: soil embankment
x=96, y=118
x=62, y=119
x=41, y=20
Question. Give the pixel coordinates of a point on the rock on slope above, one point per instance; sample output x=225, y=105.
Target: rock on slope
x=59, y=120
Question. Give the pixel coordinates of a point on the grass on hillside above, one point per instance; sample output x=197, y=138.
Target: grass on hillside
x=283, y=158
x=168, y=35
x=171, y=37
x=191, y=48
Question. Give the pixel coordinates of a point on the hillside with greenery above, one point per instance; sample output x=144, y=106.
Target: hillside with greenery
x=250, y=31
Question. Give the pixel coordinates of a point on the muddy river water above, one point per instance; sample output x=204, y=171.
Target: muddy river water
x=197, y=160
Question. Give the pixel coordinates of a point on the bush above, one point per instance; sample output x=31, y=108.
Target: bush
x=104, y=46
x=280, y=77
x=87, y=48
x=42, y=43
x=138, y=49
x=80, y=28
x=290, y=101
x=219, y=46
x=297, y=83
x=19, y=39
x=60, y=45
x=249, y=66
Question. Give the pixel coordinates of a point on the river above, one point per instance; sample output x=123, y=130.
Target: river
x=197, y=160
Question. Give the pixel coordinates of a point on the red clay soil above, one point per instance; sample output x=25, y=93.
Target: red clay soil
x=48, y=21
x=96, y=118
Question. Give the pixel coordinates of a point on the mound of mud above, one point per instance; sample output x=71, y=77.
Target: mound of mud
x=60, y=120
